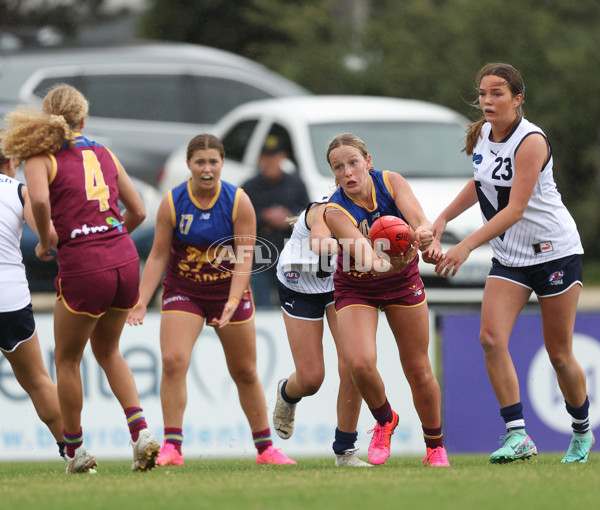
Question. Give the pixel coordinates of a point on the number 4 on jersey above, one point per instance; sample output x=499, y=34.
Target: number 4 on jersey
x=95, y=187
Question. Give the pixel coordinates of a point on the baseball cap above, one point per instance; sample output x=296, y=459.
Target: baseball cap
x=274, y=144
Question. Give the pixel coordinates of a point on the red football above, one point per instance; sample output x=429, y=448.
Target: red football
x=390, y=234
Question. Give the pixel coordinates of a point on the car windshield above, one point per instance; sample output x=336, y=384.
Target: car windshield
x=414, y=149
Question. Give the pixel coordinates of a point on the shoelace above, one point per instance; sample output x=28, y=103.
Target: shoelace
x=275, y=453
x=577, y=446
x=504, y=439
x=435, y=455
x=381, y=436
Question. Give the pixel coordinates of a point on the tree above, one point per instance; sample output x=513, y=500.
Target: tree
x=216, y=23
x=436, y=48
x=295, y=37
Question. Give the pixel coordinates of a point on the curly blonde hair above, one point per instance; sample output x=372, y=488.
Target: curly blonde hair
x=3, y=159
x=31, y=132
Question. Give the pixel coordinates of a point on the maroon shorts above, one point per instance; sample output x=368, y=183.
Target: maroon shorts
x=404, y=289
x=94, y=293
x=208, y=307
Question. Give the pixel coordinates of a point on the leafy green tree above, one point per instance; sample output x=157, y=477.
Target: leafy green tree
x=294, y=37
x=217, y=23
x=436, y=48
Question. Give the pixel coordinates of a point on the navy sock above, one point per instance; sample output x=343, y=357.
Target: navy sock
x=344, y=441
x=61, y=448
x=285, y=397
x=513, y=416
x=580, y=417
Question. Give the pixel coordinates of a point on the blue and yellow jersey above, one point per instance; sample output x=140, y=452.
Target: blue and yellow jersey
x=202, y=249
x=383, y=205
x=363, y=218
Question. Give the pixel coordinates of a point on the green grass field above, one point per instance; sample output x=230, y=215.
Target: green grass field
x=402, y=483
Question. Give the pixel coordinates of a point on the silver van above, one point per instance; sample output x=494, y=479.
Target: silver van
x=145, y=99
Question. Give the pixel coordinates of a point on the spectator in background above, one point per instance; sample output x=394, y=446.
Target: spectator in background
x=275, y=195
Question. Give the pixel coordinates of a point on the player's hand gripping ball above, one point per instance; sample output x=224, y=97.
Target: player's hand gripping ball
x=390, y=234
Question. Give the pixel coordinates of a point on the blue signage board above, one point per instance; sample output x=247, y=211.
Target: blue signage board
x=471, y=414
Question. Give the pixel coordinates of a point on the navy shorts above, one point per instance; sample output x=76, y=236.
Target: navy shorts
x=547, y=279
x=309, y=307
x=16, y=327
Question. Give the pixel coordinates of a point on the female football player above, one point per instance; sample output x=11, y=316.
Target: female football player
x=536, y=249
x=364, y=283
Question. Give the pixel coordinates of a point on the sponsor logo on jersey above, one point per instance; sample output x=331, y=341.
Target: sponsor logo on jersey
x=205, y=216
x=477, y=158
x=375, y=216
x=417, y=291
x=115, y=223
x=543, y=247
x=86, y=230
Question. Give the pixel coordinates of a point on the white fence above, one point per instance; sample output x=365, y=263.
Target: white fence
x=214, y=424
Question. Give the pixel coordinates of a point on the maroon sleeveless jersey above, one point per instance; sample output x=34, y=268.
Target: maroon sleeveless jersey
x=85, y=211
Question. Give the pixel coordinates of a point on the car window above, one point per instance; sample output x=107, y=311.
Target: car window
x=46, y=84
x=159, y=97
x=237, y=138
x=155, y=97
x=138, y=97
x=218, y=96
x=414, y=149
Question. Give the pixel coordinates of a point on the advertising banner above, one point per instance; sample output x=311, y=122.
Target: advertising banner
x=472, y=421
x=214, y=424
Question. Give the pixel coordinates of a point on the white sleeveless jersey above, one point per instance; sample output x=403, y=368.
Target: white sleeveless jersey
x=298, y=268
x=546, y=231
x=15, y=291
